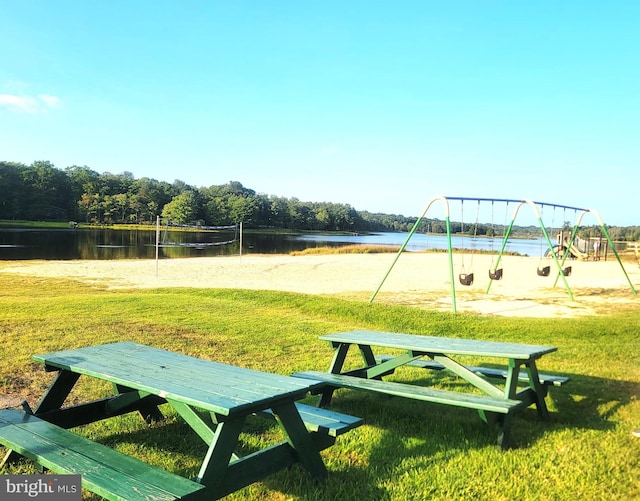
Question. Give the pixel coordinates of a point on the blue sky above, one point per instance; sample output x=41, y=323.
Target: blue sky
x=381, y=105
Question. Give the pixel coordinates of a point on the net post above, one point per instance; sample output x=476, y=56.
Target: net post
x=157, y=242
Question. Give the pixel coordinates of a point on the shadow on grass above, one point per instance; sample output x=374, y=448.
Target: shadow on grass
x=397, y=431
x=584, y=402
x=174, y=439
x=589, y=402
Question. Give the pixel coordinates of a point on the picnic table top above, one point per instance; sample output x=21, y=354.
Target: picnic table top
x=444, y=345
x=211, y=386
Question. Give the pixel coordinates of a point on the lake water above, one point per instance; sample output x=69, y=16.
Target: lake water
x=421, y=242
x=18, y=244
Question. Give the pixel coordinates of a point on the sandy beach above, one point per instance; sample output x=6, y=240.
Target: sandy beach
x=417, y=279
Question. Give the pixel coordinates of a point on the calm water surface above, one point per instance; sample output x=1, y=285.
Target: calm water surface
x=17, y=244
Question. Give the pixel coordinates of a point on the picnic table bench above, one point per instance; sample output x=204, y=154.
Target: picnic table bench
x=214, y=399
x=495, y=404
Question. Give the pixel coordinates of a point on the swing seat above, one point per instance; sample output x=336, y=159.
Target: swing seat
x=466, y=278
x=567, y=271
x=544, y=272
x=495, y=274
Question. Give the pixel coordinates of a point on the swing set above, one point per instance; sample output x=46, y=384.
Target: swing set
x=495, y=271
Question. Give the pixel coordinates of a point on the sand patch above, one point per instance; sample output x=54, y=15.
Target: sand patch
x=417, y=279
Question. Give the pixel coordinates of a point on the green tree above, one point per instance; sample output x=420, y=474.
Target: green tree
x=182, y=208
x=89, y=207
x=121, y=202
x=216, y=212
x=47, y=191
x=146, y=196
x=12, y=190
x=83, y=180
x=323, y=218
x=109, y=207
x=279, y=213
x=241, y=208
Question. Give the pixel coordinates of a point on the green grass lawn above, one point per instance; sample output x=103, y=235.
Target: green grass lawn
x=406, y=450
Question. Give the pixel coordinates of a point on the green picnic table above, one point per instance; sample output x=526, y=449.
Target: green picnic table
x=496, y=393
x=214, y=399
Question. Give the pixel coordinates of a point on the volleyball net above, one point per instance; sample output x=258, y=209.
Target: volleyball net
x=197, y=230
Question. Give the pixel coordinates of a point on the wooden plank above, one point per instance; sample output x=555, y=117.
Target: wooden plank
x=434, y=344
x=256, y=466
x=179, y=377
x=523, y=377
x=471, y=401
x=106, y=472
x=478, y=381
x=323, y=420
x=89, y=412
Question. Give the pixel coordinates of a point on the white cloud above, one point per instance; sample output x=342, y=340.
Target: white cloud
x=28, y=104
x=18, y=103
x=51, y=101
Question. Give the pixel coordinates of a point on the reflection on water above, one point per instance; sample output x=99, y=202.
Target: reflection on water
x=18, y=244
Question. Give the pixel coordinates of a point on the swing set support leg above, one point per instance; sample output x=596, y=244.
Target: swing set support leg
x=615, y=252
x=611, y=246
x=453, y=282
x=555, y=258
x=404, y=245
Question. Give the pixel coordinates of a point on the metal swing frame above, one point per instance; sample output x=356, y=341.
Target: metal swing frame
x=534, y=205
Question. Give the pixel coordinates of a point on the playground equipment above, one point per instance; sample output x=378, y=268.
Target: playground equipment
x=581, y=249
x=496, y=273
x=552, y=252
x=464, y=277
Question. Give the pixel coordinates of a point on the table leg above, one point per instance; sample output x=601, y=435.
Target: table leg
x=511, y=384
x=53, y=399
x=300, y=439
x=537, y=388
x=216, y=462
x=504, y=430
x=367, y=355
x=58, y=392
x=339, y=356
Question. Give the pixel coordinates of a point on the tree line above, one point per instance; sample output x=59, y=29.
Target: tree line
x=41, y=191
